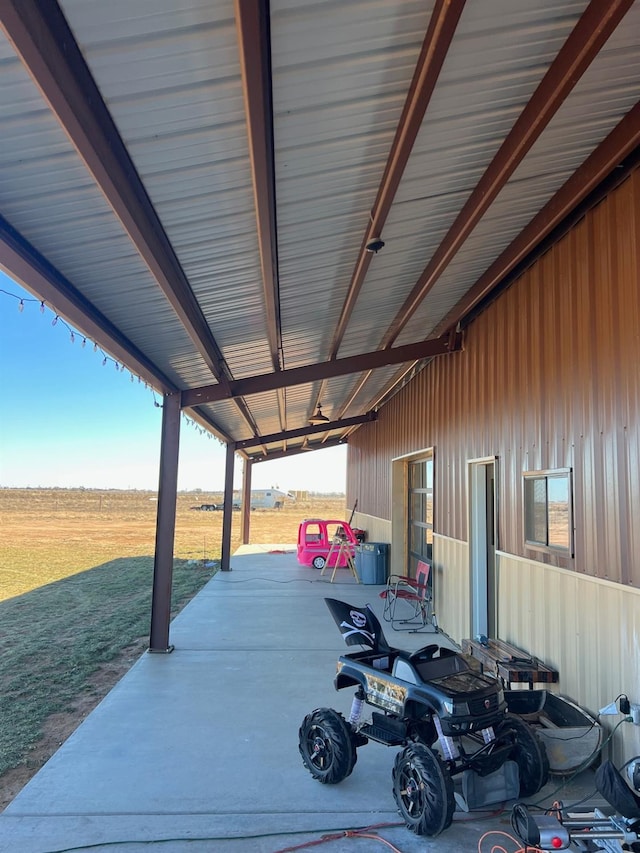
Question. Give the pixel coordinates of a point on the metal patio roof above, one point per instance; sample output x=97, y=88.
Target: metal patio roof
x=194, y=185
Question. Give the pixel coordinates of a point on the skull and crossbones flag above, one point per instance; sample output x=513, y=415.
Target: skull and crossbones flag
x=359, y=626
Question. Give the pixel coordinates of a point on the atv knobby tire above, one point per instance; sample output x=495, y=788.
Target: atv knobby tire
x=327, y=746
x=423, y=790
x=530, y=755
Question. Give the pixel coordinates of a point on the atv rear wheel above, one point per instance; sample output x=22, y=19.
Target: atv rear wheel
x=318, y=562
x=530, y=755
x=327, y=746
x=423, y=790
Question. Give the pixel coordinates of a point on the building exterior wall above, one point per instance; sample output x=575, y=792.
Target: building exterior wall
x=378, y=529
x=549, y=378
x=589, y=629
x=451, y=586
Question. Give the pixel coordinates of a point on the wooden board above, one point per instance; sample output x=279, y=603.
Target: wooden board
x=510, y=664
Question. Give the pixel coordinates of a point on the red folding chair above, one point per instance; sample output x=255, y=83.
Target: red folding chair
x=408, y=602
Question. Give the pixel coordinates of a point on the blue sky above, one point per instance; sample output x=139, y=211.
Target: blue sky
x=67, y=421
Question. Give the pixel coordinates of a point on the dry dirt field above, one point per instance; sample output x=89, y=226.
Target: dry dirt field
x=49, y=534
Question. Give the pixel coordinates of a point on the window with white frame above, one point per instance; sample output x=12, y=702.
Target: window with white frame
x=547, y=510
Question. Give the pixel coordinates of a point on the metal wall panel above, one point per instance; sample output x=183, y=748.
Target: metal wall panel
x=593, y=646
x=451, y=587
x=548, y=378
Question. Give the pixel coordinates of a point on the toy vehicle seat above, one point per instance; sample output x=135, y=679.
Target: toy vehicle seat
x=437, y=662
x=427, y=664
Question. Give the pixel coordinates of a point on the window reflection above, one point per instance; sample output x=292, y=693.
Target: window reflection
x=547, y=509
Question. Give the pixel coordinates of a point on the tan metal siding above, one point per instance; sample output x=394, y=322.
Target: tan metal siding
x=451, y=587
x=594, y=647
x=549, y=378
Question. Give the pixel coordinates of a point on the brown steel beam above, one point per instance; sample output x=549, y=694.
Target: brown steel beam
x=590, y=33
x=442, y=26
x=252, y=24
x=165, y=525
x=294, y=451
x=22, y=262
x=606, y=158
x=281, y=394
x=323, y=370
x=254, y=40
x=246, y=414
x=227, y=515
x=287, y=435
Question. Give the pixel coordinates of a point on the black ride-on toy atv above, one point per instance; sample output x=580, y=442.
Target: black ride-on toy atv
x=446, y=715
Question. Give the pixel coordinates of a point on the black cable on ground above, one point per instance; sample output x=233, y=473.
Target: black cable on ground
x=344, y=832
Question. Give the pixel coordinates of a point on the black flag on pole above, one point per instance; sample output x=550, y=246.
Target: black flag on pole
x=359, y=626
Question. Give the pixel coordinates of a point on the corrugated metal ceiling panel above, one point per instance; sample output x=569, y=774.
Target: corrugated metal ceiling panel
x=175, y=94
x=171, y=78
x=341, y=72
x=48, y=196
x=499, y=55
x=227, y=417
x=608, y=90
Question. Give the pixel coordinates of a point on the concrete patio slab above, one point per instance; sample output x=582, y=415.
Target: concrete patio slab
x=198, y=750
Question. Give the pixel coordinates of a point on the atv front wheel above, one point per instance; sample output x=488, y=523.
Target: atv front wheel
x=327, y=747
x=318, y=562
x=423, y=790
x=530, y=755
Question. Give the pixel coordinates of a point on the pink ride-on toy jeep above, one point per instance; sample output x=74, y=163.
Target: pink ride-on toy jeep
x=315, y=537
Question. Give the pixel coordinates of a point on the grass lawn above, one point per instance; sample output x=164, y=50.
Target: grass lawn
x=54, y=638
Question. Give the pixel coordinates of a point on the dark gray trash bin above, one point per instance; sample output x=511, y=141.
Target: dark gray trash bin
x=372, y=562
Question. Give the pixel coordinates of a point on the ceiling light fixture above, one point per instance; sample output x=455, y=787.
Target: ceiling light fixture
x=374, y=245
x=319, y=418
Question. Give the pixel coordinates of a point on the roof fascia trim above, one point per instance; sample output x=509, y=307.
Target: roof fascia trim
x=200, y=417
x=20, y=260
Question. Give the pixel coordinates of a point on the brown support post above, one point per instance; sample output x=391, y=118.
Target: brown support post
x=165, y=525
x=246, y=502
x=225, y=562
